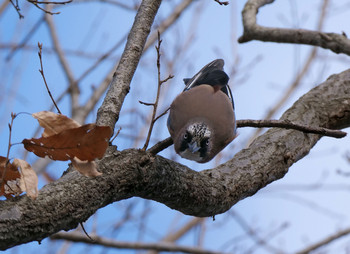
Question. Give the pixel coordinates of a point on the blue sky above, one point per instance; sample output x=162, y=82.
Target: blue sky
x=94, y=28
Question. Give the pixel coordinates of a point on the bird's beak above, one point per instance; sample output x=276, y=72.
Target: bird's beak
x=193, y=147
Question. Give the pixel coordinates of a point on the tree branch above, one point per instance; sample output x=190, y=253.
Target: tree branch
x=160, y=146
x=108, y=113
x=289, y=125
x=161, y=246
x=338, y=43
x=325, y=241
x=138, y=173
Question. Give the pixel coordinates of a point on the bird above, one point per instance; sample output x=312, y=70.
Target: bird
x=201, y=119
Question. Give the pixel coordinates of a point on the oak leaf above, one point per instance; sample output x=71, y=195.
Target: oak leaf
x=87, y=142
x=65, y=139
x=29, y=179
x=86, y=168
x=12, y=179
x=54, y=123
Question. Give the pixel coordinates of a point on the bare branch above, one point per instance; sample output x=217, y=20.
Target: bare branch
x=37, y=5
x=108, y=113
x=285, y=124
x=155, y=104
x=73, y=86
x=41, y=70
x=160, y=146
x=325, y=241
x=222, y=2
x=162, y=114
x=289, y=125
x=254, y=235
x=3, y=6
x=338, y=43
x=298, y=77
x=16, y=6
x=147, y=103
x=9, y=145
x=26, y=38
x=162, y=246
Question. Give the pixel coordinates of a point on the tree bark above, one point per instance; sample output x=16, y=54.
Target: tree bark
x=63, y=204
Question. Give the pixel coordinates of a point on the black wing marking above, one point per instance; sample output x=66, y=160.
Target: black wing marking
x=197, y=79
x=212, y=74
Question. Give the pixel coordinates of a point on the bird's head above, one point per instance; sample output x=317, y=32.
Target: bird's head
x=194, y=142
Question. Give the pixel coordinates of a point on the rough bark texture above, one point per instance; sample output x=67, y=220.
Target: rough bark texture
x=61, y=205
x=108, y=113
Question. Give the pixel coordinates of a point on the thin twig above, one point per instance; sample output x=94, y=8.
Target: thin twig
x=116, y=135
x=325, y=241
x=170, y=247
x=222, y=2
x=36, y=4
x=73, y=86
x=13, y=116
x=261, y=241
x=155, y=104
x=16, y=6
x=289, y=125
x=41, y=70
x=25, y=39
x=146, y=103
x=82, y=226
x=162, y=114
x=160, y=146
x=49, y=2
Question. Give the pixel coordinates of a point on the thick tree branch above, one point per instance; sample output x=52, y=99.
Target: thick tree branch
x=108, y=113
x=137, y=173
x=338, y=43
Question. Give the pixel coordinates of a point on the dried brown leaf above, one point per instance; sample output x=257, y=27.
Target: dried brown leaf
x=54, y=123
x=12, y=179
x=86, y=168
x=87, y=142
x=29, y=178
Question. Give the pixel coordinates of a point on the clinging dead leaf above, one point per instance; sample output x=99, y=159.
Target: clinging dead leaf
x=29, y=179
x=12, y=179
x=65, y=139
x=54, y=123
x=86, y=168
x=87, y=142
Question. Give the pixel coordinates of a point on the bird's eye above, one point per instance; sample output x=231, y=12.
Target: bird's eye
x=205, y=143
x=185, y=136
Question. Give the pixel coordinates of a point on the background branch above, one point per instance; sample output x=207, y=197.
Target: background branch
x=162, y=246
x=338, y=43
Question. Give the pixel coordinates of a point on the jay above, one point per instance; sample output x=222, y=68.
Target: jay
x=202, y=120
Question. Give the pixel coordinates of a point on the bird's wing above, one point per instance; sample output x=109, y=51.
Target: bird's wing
x=212, y=70
x=212, y=74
